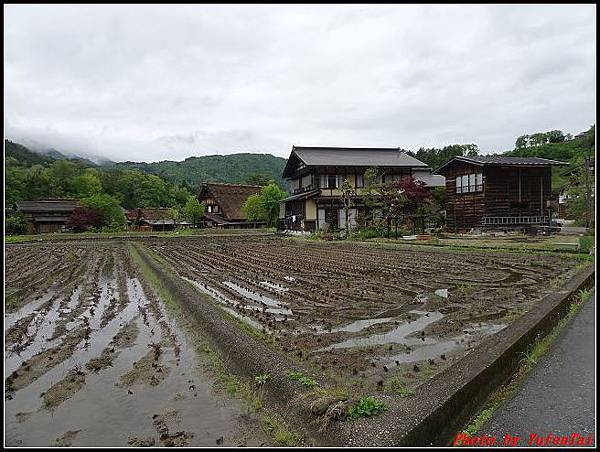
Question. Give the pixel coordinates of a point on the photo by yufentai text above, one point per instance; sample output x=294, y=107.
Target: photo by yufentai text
x=533, y=439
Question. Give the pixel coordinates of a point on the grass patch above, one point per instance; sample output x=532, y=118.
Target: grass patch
x=305, y=381
x=399, y=387
x=279, y=431
x=530, y=358
x=586, y=243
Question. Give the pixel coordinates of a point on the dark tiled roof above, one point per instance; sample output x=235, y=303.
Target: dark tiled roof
x=230, y=198
x=503, y=160
x=59, y=205
x=364, y=157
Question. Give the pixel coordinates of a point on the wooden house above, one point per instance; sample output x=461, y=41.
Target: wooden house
x=50, y=215
x=153, y=219
x=497, y=192
x=224, y=205
x=317, y=173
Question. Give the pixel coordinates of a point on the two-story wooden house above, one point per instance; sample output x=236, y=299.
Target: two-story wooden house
x=317, y=173
x=497, y=192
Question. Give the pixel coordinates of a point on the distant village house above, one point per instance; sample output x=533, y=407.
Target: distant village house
x=153, y=219
x=224, y=205
x=50, y=215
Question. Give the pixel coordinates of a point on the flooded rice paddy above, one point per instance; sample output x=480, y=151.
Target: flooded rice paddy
x=352, y=310
x=100, y=360
x=94, y=356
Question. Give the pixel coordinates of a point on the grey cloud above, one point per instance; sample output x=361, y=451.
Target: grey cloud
x=155, y=82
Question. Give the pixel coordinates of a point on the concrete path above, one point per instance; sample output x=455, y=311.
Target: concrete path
x=558, y=396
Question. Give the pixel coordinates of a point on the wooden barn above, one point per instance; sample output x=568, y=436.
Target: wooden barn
x=497, y=192
x=49, y=215
x=224, y=205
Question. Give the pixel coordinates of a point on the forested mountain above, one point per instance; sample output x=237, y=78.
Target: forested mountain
x=233, y=168
x=24, y=155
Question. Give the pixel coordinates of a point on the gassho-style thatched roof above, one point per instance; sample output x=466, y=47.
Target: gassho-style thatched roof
x=230, y=198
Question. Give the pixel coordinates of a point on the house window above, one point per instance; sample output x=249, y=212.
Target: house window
x=469, y=183
x=360, y=181
x=330, y=181
x=321, y=217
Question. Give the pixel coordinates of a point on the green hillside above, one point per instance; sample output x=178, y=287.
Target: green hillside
x=233, y=168
x=24, y=155
x=566, y=149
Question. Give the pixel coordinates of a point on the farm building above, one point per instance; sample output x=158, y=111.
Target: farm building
x=497, y=192
x=224, y=205
x=153, y=219
x=317, y=173
x=49, y=215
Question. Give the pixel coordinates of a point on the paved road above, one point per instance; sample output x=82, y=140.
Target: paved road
x=558, y=396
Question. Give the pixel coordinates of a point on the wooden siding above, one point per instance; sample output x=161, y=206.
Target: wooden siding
x=508, y=191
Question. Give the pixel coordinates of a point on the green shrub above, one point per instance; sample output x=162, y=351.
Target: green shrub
x=366, y=406
x=16, y=224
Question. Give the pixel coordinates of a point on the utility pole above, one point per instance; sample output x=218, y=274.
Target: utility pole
x=589, y=206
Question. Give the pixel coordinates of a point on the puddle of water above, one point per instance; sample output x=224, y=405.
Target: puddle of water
x=41, y=329
x=217, y=295
x=434, y=350
x=274, y=286
x=257, y=297
x=224, y=300
x=11, y=318
x=353, y=327
x=398, y=335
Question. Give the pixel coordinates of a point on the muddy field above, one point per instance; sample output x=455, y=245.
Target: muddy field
x=94, y=357
x=370, y=317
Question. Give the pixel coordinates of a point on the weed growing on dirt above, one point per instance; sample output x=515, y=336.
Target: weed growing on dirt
x=279, y=431
x=396, y=385
x=262, y=379
x=465, y=288
x=308, y=382
x=366, y=406
x=584, y=294
x=305, y=381
x=295, y=375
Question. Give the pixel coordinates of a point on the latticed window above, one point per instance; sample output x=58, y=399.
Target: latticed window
x=469, y=183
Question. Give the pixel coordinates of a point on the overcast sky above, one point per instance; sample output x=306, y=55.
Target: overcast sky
x=149, y=83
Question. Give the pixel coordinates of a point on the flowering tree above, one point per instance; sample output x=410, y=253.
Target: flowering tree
x=412, y=196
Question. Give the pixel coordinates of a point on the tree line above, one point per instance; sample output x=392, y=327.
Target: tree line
x=101, y=192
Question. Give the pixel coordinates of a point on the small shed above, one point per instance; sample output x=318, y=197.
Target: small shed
x=497, y=192
x=47, y=215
